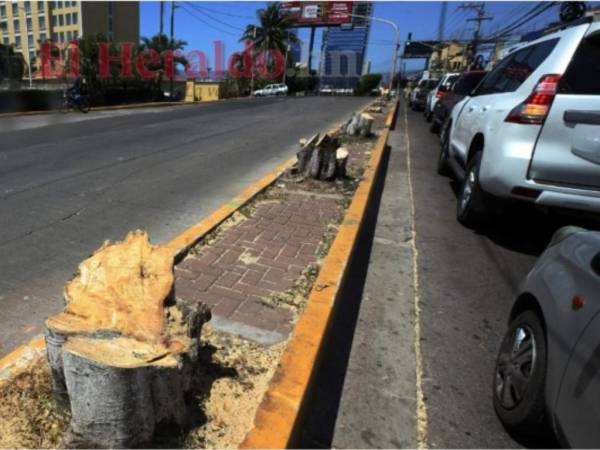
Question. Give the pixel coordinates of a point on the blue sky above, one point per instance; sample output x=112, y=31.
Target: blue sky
x=201, y=23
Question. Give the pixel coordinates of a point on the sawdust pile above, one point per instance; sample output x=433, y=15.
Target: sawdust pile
x=28, y=414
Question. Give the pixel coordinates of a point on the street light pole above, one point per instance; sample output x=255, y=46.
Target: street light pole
x=396, y=47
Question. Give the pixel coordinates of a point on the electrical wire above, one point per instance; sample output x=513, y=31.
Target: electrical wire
x=192, y=14
x=200, y=10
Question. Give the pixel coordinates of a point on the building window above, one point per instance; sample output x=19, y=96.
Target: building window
x=62, y=36
x=16, y=25
x=54, y=21
x=28, y=8
x=75, y=35
x=40, y=6
x=59, y=4
x=3, y=11
x=30, y=40
x=18, y=41
x=15, y=9
x=31, y=57
x=75, y=18
x=54, y=37
x=29, y=24
x=43, y=37
x=41, y=22
x=69, y=36
x=68, y=16
x=61, y=20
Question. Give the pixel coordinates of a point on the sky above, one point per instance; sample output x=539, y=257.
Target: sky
x=202, y=23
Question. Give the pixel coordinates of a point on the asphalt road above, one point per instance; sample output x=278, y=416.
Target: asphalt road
x=69, y=182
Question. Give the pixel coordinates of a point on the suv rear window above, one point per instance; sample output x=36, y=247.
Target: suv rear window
x=468, y=82
x=583, y=74
x=513, y=70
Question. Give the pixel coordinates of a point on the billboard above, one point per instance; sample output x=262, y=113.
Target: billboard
x=318, y=14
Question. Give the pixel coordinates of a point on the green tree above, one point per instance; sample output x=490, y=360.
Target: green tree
x=160, y=43
x=272, y=33
x=367, y=83
x=12, y=64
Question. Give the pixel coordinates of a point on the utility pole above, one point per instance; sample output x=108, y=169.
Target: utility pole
x=310, y=48
x=172, y=75
x=479, y=9
x=252, y=61
x=162, y=15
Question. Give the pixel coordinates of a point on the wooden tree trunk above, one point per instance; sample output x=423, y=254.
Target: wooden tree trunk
x=360, y=124
x=320, y=159
x=123, y=352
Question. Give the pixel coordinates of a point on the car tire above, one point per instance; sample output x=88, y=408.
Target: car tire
x=521, y=406
x=434, y=127
x=443, y=165
x=471, y=208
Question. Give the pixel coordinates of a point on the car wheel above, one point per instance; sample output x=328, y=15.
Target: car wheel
x=520, y=377
x=471, y=209
x=434, y=127
x=442, y=166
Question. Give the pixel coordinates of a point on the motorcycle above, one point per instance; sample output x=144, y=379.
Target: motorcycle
x=75, y=101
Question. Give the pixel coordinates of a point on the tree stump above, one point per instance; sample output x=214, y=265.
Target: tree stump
x=360, y=124
x=319, y=158
x=123, y=351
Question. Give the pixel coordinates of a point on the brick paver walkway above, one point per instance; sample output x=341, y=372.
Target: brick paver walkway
x=254, y=259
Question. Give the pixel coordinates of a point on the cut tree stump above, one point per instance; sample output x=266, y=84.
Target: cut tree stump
x=320, y=158
x=123, y=351
x=360, y=124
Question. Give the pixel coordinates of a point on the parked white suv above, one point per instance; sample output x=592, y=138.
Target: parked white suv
x=272, y=89
x=531, y=129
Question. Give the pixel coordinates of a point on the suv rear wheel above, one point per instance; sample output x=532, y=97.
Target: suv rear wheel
x=471, y=209
x=442, y=166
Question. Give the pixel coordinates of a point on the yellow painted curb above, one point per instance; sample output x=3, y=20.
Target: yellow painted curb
x=21, y=358
x=280, y=410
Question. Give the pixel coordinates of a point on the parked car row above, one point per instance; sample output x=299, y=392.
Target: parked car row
x=529, y=131
x=272, y=90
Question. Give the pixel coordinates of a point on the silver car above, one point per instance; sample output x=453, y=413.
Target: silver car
x=547, y=375
x=531, y=129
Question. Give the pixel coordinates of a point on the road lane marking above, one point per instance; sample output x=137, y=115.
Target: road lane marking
x=421, y=407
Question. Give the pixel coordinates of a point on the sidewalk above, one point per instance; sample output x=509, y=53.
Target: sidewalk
x=367, y=385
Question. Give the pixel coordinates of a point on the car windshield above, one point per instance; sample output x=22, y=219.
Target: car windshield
x=431, y=83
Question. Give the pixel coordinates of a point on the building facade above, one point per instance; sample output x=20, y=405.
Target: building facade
x=25, y=24
x=343, y=50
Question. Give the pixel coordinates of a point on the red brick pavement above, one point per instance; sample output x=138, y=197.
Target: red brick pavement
x=254, y=259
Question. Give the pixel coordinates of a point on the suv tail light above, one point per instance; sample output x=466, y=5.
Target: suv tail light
x=439, y=93
x=534, y=109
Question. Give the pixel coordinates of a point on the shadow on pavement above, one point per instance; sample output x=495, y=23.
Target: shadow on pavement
x=321, y=408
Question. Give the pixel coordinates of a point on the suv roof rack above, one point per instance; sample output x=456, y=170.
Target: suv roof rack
x=564, y=26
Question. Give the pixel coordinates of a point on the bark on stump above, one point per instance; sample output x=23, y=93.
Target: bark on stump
x=123, y=351
x=320, y=158
x=360, y=124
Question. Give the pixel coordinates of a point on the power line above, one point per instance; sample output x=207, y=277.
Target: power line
x=200, y=10
x=210, y=25
x=225, y=13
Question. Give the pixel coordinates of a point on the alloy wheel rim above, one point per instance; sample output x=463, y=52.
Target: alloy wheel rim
x=467, y=191
x=516, y=363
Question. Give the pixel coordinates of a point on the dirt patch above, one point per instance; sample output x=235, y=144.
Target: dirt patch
x=239, y=372
x=29, y=417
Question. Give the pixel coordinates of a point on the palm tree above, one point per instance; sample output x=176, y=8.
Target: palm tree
x=272, y=33
x=160, y=43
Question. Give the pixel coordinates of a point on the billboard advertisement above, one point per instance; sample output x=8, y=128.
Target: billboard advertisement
x=318, y=14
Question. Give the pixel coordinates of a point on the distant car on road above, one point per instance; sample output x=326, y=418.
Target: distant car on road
x=461, y=87
x=530, y=131
x=547, y=372
x=438, y=92
x=418, y=97
x=272, y=89
x=326, y=89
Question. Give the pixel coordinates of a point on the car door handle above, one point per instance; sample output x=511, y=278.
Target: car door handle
x=582, y=117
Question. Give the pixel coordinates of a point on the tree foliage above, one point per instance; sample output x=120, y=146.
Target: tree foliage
x=367, y=83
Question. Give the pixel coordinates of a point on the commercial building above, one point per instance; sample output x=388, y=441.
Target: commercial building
x=25, y=24
x=343, y=50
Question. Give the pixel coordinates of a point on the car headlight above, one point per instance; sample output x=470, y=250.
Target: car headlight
x=563, y=233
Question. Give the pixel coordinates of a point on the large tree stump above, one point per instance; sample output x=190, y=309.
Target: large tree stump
x=122, y=352
x=320, y=158
x=360, y=124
